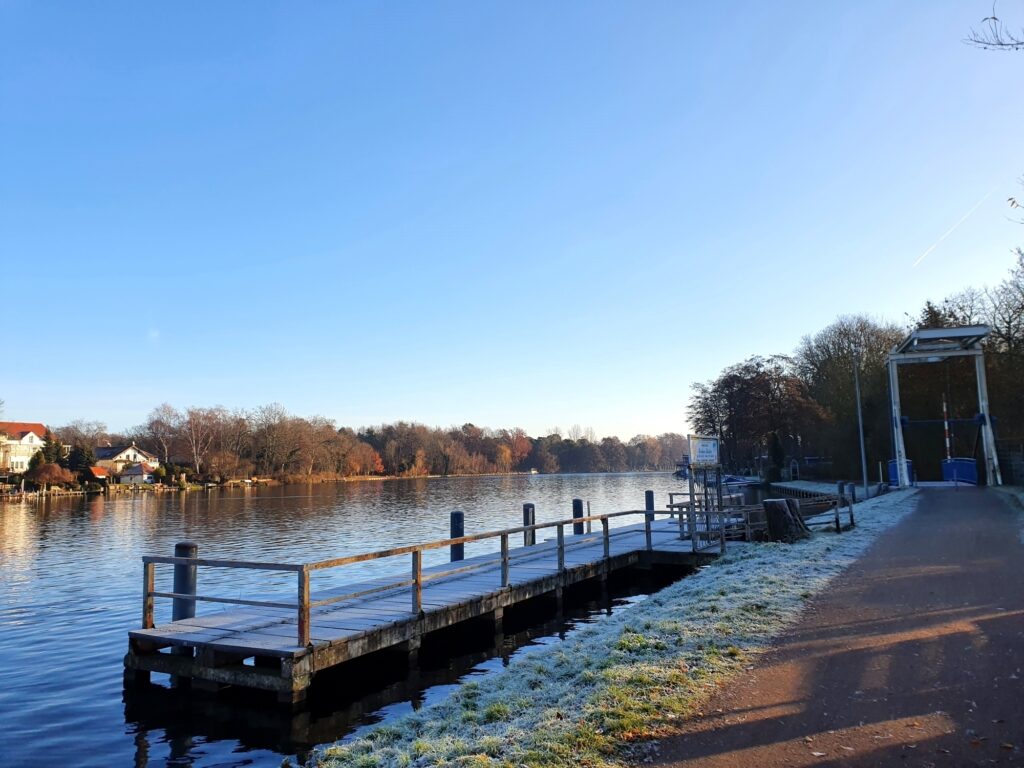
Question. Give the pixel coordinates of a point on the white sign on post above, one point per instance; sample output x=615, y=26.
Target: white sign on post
x=703, y=451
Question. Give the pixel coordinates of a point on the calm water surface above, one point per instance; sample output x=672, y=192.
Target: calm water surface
x=70, y=575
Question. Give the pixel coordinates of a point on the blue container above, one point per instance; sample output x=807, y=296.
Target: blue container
x=961, y=470
x=893, y=474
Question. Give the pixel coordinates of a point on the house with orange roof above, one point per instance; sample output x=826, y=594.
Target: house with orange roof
x=19, y=441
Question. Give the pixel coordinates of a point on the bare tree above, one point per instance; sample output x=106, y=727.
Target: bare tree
x=161, y=429
x=994, y=35
x=83, y=433
x=197, y=429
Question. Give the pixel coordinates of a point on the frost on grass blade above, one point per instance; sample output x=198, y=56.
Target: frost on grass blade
x=630, y=675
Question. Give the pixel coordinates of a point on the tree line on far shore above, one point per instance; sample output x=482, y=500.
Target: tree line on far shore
x=770, y=411
x=219, y=444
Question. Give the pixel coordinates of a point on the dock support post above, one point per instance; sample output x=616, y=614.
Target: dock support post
x=412, y=649
x=648, y=518
x=184, y=582
x=458, y=530
x=529, y=518
x=577, y=512
x=840, y=487
x=561, y=549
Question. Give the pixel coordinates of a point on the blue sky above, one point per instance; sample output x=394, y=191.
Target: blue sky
x=529, y=214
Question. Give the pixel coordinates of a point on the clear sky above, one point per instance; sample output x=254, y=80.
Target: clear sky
x=520, y=213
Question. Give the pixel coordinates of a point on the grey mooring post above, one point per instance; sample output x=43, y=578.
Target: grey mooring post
x=577, y=512
x=649, y=517
x=529, y=518
x=458, y=530
x=184, y=582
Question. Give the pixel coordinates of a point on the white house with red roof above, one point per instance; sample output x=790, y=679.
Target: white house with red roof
x=19, y=441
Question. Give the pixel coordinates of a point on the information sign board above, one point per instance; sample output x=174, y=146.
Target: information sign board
x=703, y=451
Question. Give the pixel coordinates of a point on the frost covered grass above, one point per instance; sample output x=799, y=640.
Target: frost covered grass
x=631, y=675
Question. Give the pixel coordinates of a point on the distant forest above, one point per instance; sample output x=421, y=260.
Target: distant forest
x=218, y=444
x=770, y=411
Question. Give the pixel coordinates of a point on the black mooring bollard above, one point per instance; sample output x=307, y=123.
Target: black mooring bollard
x=529, y=518
x=577, y=512
x=458, y=528
x=184, y=582
x=649, y=503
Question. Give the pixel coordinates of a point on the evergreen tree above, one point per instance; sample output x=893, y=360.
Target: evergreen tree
x=81, y=458
x=52, y=449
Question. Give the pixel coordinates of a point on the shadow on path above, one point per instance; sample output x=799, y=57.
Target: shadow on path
x=913, y=657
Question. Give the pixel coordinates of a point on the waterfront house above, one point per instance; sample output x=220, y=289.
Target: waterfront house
x=117, y=457
x=137, y=474
x=19, y=441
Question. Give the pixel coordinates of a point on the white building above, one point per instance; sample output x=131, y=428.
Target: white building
x=19, y=441
x=117, y=457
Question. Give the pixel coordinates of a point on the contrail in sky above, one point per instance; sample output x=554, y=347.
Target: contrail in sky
x=950, y=231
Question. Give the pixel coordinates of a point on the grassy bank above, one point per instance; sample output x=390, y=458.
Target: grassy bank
x=614, y=684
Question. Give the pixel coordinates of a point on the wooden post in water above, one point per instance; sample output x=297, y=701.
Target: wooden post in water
x=649, y=517
x=458, y=530
x=577, y=512
x=529, y=518
x=184, y=582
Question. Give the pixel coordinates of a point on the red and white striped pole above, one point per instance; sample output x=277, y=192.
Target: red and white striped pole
x=945, y=425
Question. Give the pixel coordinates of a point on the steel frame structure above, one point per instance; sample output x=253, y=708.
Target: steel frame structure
x=933, y=345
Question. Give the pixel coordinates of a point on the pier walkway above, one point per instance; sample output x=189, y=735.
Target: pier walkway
x=279, y=645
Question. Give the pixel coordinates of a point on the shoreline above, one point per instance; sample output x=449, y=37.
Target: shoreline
x=606, y=690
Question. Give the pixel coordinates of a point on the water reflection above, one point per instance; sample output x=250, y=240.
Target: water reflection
x=371, y=690
x=70, y=572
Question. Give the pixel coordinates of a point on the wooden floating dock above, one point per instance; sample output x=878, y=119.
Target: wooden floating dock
x=280, y=645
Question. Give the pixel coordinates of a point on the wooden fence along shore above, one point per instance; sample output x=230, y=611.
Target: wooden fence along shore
x=279, y=645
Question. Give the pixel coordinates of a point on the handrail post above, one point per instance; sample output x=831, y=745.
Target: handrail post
x=561, y=548
x=148, y=586
x=504, y=560
x=606, y=538
x=577, y=512
x=417, y=581
x=529, y=518
x=304, y=607
x=648, y=518
x=721, y=529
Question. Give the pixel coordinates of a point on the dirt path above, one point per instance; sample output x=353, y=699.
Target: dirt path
x=914, y=657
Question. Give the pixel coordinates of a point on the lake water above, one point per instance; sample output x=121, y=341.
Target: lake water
x=70, y=579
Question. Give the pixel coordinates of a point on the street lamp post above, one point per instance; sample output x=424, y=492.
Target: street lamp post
x=860, y=418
